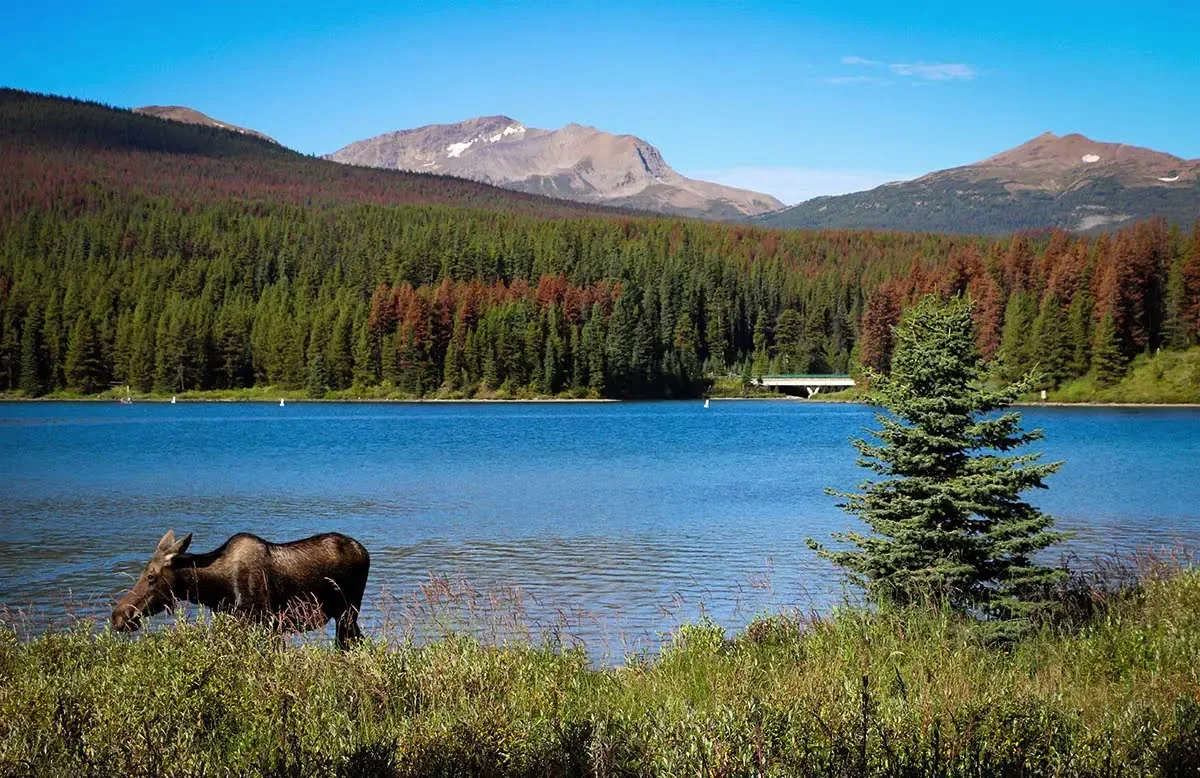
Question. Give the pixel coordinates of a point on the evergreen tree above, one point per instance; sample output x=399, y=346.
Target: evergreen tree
x=883, y=311
x=1016, y=343
x=1175, y=325
x=1107, y=359
x=948, y=522
x=83, y=367
x=318, y=376
x=33, y=357
x=788, y=331
x=1051, y=343
x=1079, y=329
x=762, y=356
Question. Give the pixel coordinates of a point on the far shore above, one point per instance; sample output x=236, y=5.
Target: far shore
x=422, y=400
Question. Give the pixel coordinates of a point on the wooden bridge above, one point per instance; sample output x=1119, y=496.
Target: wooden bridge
x=812, y=384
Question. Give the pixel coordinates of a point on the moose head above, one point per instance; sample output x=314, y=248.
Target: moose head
x=155, y=590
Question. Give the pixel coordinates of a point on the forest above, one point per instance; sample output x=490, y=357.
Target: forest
x=173, y=258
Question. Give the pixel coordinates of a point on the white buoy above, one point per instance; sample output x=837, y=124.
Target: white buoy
x=280, y=402
x=705, y=402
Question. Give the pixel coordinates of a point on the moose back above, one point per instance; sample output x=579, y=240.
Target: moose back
x=299, y=585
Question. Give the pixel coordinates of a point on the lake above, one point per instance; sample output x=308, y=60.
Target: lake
x=614, y=521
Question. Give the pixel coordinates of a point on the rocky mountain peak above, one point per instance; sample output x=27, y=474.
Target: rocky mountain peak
x=575, y=162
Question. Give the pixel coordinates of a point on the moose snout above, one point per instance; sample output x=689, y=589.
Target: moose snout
x=125, y=618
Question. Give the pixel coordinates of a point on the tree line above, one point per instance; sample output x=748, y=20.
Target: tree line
x=1059, y=305
x=426, y=299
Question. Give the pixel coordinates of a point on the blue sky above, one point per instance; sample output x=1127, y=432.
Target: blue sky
x=790, y=98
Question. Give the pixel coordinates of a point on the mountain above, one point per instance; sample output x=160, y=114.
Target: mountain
x=74, y=151
x=1069, y=181
x=574, y=163
x=180, y=113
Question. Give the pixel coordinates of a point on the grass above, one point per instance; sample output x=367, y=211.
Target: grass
x=268, y=393
x=1166, y=377
x=913, y=692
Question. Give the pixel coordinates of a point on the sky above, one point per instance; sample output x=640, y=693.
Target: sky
x=794, y=99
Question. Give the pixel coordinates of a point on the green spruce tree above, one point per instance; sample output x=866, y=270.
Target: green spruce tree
x=1107, y=359
x=318, y=376
x=947, y=521
x=1053, y=349
x=33, y=355
x=1016, y=343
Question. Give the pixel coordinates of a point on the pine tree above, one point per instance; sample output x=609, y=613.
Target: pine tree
x=83, y=368
x=883, y=311
x=762, y=357
x=788, y=331
x=33, y=355
x=1175, y=329
x=948, y=522
x=1107, y=359
x=1016, y=343
x=318, y=376
x=1079, y=329
x=1052, y=346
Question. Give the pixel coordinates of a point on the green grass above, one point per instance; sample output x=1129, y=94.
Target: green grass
x=895, y=693
x=1165, y=377
x=269, y=393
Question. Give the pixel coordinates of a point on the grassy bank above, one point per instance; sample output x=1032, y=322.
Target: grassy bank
x=274, y=393
x=1169, y=377
x=908, y=693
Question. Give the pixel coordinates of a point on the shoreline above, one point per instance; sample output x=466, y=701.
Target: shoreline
x=539, y=400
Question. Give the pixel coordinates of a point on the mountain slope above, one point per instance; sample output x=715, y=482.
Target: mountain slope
x=180, y=113
x=573, y=163
x=1070, y=182
x=73, y=151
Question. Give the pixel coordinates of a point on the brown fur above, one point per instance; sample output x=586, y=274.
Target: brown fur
x=299, y=585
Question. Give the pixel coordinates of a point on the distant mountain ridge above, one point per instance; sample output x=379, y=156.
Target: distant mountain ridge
x=574, y=162
x=181, y=113
x=92, y=148
x=1070, y=182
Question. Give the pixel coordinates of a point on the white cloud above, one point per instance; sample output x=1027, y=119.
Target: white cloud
x=921, y=71
x=935, y=72
x=796, y=184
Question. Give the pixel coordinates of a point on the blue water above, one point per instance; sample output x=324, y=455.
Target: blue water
x=629, y=517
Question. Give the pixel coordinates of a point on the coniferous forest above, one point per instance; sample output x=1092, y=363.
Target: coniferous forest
x=174, y=257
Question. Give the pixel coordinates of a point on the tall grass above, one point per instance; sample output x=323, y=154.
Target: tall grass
x=1113, y=690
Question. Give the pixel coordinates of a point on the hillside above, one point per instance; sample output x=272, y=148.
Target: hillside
x=59, y=150
x=574, y=163
x=174, y=257
x=180, y=113
x=1069, y=182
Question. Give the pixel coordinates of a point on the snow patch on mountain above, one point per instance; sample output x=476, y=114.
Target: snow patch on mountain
x=456, y=149
x=1091, y=157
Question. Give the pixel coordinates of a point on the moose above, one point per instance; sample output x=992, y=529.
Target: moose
x=298, y=586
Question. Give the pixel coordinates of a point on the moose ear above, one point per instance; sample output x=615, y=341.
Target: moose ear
x=182, y=545
x=167, y=541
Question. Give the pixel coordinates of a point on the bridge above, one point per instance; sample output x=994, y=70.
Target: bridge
x=812, y=384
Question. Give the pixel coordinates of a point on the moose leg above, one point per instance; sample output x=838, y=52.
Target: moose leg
x=347, y=628
x=347, y=621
